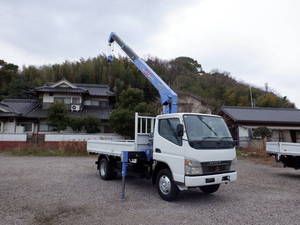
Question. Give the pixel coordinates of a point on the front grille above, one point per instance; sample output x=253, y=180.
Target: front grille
x=216, y=167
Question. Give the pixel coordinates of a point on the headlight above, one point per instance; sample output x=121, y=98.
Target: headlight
x=233, y=165
x=192, y=167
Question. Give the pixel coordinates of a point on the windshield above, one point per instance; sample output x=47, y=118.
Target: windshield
x=207, y=132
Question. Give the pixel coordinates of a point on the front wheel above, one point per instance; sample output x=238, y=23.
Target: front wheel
x=210, y=188
x=167, y=189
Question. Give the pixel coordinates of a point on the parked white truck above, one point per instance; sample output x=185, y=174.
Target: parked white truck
x=176, y=150
x=285, y=152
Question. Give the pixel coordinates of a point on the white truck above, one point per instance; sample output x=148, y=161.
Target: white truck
x=285, y=152
x=176, y=150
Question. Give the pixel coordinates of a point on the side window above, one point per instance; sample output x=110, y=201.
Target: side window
x=167, y=129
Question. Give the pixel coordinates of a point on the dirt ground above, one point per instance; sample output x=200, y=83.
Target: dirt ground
x=68, y=190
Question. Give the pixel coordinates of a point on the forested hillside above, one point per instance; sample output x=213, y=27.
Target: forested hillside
x=182, y=73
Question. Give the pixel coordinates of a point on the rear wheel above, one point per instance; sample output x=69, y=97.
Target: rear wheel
x=166, y=186
x=106, y=171
x=210, y=188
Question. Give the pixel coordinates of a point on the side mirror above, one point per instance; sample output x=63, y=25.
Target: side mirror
x=179, y=130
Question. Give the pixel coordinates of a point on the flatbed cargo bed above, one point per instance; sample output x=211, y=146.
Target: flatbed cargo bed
x=144, y=126
x=283, y=148
x=110, y=147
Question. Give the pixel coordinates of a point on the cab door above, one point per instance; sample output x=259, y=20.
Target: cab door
x=167, y=146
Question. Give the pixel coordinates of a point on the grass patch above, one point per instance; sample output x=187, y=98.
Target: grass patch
x=257, y=153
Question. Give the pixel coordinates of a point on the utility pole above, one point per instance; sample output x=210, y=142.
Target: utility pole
x=251, y=98
x=267, y=87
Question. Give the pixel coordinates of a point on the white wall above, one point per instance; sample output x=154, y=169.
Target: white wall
x=243, y=132
x=82, y=137
x=9, y=127
x=13, y=137
x=20, y=129
x=50, y=99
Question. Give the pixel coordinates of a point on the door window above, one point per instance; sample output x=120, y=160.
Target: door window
x=167, y=129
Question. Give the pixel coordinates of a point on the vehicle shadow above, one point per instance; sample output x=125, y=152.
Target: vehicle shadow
x=289, y=175
x=194, y=195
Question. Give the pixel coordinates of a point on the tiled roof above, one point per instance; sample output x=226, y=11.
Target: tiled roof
x=266, y=115
x=5, y=108
x=96, y=89
x=61, y=89
x=91, y=89
x=19, y=107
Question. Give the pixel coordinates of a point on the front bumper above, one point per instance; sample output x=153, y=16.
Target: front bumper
x=196, y=181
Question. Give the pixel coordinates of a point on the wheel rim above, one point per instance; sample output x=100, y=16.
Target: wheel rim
x=164, y=184
x=103, y=169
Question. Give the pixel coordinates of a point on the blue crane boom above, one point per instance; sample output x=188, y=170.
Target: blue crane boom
x=168, y=97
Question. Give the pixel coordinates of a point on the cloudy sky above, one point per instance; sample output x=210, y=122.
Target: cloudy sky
x=257, y=41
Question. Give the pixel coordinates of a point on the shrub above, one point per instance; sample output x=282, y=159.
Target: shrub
x=58, y=116
x=91, y=124
x=262, y=132
x=122, y=118
x=76, y=124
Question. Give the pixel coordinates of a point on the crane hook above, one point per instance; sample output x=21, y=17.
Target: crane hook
x=110, y=57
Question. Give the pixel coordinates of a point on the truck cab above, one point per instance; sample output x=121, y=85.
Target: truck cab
x=197, y=149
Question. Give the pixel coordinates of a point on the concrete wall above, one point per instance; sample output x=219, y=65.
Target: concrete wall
x=13, y=137
x=279, y=134
x=188, y=103
x=81, y=137
x=52, y=141
x=11, y=141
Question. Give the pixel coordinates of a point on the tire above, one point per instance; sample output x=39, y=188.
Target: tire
x=167, y=189
x=105, y=169
x=210, y=188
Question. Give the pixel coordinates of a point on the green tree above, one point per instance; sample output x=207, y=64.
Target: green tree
x=262, y=132
x=92, y=124
x=76, y=123
x=271, y=100
x=8, y=72
x=122, y=121
x=217, y=88
x=130, y=98
x=122, y=118
x=188, y=65
x=58, y=116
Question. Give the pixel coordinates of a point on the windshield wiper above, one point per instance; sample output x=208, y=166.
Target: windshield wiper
x=209, y=137
x=205, y=138
x=209, y=127
x=225, y=138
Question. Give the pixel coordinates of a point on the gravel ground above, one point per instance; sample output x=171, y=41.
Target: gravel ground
x=56, y=190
